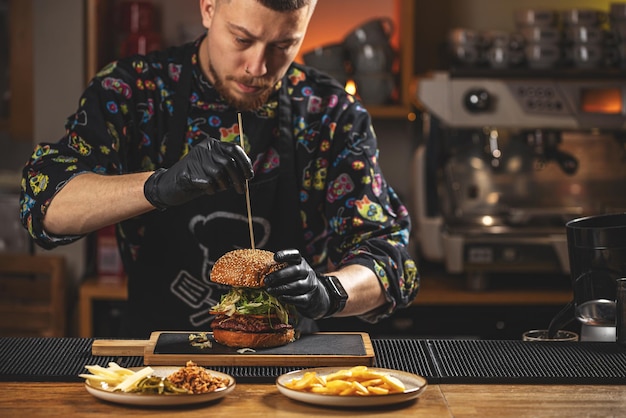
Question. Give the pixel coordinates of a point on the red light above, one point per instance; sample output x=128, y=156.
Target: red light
x=604, y=100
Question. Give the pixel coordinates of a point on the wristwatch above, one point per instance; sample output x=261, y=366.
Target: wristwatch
x=336, y=292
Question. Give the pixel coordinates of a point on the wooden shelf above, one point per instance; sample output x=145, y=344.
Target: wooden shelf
x=452, y=291
x=391, y=111
x=20, y=122
x=33, y=298
x=93, y=290
x=512, y=288
x=406, y=71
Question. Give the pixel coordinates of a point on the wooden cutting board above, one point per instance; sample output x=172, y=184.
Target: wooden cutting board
x=171, y=348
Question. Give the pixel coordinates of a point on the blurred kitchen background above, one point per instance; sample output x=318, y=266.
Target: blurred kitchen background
x=489, y=187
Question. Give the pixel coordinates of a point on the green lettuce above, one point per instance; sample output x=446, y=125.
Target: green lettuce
x=251, y=301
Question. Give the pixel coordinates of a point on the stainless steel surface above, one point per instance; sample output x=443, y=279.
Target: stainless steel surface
x=555, y=102
x=598, y=312
x=527, y=189
x=594, y=333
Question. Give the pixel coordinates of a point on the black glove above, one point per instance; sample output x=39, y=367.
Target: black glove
x=298, y=285
x=209, y=167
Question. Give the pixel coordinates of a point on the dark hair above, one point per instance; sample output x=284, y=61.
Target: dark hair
x=285, y=5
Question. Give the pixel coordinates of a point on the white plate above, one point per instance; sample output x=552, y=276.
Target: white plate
x=152, y=400
x=414, y=384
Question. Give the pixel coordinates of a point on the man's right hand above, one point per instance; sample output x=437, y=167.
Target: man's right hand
x=209, y=167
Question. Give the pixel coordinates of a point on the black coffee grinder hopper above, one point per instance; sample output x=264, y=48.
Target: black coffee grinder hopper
x=597, y=257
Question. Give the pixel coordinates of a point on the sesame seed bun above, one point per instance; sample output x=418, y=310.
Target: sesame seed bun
x=244, y=268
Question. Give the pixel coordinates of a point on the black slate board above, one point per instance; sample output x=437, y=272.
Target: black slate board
x=313, y=350
x=311, y=344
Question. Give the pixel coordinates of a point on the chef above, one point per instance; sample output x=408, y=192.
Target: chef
x=155, y=148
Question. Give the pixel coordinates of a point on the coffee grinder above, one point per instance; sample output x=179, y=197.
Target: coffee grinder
x=597, y=257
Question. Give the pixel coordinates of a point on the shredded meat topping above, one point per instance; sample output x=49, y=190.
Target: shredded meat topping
x=196, y=379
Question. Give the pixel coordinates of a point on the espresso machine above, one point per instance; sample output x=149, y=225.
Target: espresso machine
x=505, y=159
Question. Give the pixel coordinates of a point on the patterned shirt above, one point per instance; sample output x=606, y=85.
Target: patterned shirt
x=349, y=214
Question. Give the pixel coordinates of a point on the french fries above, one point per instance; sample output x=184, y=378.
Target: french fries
x=114, y=377
x=358, y=380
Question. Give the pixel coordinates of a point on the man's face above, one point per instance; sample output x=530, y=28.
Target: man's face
x=249, y=48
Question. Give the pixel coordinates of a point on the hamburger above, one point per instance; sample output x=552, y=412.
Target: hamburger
x=247, y=316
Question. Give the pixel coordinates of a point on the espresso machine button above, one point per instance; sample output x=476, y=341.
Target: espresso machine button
x=477, y=101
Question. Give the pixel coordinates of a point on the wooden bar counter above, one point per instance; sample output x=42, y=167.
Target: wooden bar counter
x=47, y=399
x=39, y=377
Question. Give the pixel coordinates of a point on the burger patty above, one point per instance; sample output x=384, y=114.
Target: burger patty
x=249, y=323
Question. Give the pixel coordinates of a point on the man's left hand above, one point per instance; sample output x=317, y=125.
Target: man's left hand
x=298, y=284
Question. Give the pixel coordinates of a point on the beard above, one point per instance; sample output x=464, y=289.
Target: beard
x=247, y=103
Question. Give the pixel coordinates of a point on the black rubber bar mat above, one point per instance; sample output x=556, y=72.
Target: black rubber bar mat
x=439, y=361
x=404, y=354
x=508, y=361
x=51, y=359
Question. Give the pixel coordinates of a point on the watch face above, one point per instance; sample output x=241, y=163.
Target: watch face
x=336, y=292
x=338, y=288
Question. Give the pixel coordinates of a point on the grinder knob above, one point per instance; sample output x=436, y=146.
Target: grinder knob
x=477, y=100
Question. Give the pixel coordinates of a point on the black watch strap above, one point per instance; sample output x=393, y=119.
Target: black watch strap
x=336, y=292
